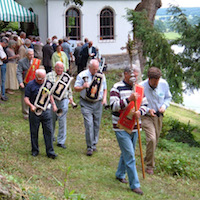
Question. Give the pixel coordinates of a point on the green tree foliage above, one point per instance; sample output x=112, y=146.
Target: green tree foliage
x=190, y=40
x=158, y=52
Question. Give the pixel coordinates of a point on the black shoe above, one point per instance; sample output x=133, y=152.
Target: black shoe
x=89, y=152
x=4, y=98
x=62, y=146
x=34, y=154
x=52, y=156
x=122, y=180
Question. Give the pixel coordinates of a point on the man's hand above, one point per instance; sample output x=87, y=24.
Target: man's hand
x=133, y=97
x=21, y=85
x=152, y=112
x=85, y=85
x=32, y=107
x=162, y=109
x=137, y=114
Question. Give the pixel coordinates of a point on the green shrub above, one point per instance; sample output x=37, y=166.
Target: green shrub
x=180, y=132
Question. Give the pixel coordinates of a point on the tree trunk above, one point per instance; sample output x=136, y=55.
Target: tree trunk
x=151, y=7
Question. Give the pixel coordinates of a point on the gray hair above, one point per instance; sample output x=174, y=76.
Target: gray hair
x=27, y=41
x=11, y=43
x=48, y=41
x=59, y=62
x=29, y=50
x=131, y=68
x=5, y=40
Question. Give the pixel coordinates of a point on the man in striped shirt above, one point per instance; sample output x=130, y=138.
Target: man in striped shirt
x=120, y=96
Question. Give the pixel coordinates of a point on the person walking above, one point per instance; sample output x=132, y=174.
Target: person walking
x=159, y=97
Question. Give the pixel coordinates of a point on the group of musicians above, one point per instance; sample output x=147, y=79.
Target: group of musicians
x=48, y=96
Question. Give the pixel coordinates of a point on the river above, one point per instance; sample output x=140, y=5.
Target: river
x=191, y=100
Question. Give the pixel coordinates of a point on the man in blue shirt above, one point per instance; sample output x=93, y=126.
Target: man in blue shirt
x=31, y=92
x=158, y=95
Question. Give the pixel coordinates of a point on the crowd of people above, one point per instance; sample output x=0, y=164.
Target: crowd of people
x=40, y=71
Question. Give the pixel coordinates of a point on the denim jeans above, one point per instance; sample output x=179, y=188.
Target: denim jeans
x=62, y=129
x=127, y=162
x=34, y=122
x=3, y=79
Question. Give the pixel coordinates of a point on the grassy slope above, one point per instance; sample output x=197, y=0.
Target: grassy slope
x=93, y=176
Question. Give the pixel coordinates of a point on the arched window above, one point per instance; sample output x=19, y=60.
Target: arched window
x=73, y=24
x=106, y=24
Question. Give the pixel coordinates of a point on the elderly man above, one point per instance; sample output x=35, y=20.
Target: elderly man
x=120, y=96
x=22, y=69
x=45, y=118
x=3, y=56
x=159, y=97
x=54, y=76
x=91, y=110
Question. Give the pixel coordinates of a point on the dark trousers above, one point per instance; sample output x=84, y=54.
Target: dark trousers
x=34, y=122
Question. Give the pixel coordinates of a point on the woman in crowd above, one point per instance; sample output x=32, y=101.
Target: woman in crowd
x=11, y=68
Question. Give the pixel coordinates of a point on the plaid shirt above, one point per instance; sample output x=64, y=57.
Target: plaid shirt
x=53, y=77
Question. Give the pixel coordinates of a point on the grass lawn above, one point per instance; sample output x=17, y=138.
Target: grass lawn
x=94, y=177
x=171, y=35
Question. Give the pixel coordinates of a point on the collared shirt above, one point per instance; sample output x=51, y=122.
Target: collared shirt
x=160, y=96
x=79, y=82
x=32, y=90
x=53, y=77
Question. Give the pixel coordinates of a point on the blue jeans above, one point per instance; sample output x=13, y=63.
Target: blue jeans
x=127, y=162
x=62, y=129
x=3, y=79
x=34, y=122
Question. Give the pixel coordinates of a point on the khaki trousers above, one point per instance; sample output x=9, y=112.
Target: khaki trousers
x=152, y=127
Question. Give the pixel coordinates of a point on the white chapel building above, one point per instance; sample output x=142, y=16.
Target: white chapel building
x=101, y=21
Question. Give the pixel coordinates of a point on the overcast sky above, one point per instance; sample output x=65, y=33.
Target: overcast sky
x=181, y=3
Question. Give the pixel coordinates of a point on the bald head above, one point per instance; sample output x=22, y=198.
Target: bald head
x=59, y=67
x=94, y=66
x=40, y=75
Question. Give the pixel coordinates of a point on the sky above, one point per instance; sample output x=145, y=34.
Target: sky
x=181, y=3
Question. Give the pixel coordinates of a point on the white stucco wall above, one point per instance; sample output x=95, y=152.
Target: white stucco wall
x=90, y=24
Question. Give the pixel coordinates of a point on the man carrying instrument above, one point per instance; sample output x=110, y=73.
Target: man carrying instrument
x=121, y=95
x=93, y=94
x=159, y=97
x=31, y=93
x=26, y=66
x=62, y=105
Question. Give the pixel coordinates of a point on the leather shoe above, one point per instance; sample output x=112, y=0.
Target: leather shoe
x=62, y=146
x=149, y=171
x=89, y=152
x=52, y=156
x=34, y=154
x=122, y=180
x=4, y=98
x=138, y=191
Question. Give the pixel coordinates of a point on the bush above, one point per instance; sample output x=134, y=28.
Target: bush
x=180, y=132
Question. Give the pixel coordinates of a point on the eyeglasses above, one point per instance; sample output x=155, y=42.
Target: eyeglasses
x=39, y=78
